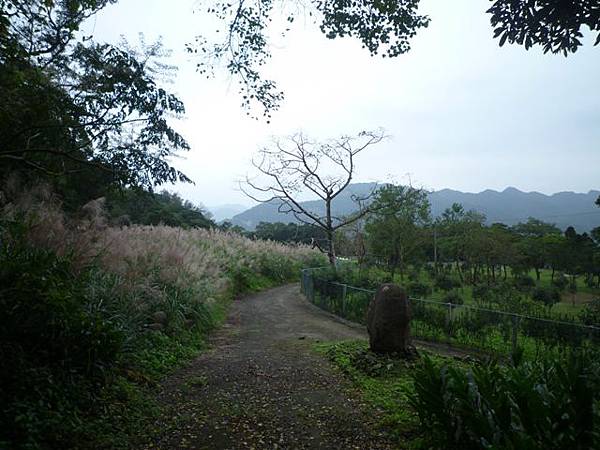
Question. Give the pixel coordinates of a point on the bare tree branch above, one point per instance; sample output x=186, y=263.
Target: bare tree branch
x=297, y=164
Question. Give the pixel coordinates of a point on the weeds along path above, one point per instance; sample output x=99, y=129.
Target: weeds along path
x=261, y=385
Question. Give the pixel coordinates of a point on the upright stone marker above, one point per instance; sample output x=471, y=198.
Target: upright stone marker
x=388, y=320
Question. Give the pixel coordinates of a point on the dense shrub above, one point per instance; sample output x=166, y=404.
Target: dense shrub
x=368, y=278
x=560, y=281
x=418, y=289
x=501, y=296
x=433, y=315
x=476, y=322
x=554, y=332
x=550, y=403
x=524, y=282
x=482, y=293
x=572, y=286
x=46, y=313
x=547, y=296
x=590, y=314
x=414, y=274
x=430, y=270
x=453, y=297
x=55, y=346
x=445, y=282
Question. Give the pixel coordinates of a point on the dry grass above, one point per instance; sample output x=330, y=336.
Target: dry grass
x=146, y=259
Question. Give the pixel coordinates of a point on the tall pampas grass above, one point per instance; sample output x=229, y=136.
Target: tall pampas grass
x=151, y=265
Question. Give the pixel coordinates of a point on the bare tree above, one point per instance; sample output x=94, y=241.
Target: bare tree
x=297, y=165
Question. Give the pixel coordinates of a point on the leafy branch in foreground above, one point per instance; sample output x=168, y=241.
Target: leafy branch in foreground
x=383, y=27
x=95, y=112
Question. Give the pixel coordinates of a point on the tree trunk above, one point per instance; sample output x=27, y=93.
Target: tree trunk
x=329, y=231
x=330, y=248
x=537, y=273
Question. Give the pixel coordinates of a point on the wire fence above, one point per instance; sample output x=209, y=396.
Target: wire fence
x=489, y=330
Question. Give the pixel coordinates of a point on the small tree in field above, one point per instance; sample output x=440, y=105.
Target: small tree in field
x=395, y=229
x=298, y=165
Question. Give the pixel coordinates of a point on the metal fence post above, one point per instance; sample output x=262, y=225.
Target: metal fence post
x=344, y=288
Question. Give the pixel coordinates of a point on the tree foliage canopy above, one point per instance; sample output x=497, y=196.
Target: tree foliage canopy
x=73, y=107
x=395, y=227
x=556, y=25
x=146, y=208
x=383, y=27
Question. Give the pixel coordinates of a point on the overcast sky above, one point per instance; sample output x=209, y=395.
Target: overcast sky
x=462, y=112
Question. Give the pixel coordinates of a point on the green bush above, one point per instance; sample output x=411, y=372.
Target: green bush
x=560, y=281
x=501, y=296
x=548, y=296
x=482, y=293
x=453, y=297
x=478, y=321
x=418, y=289
x=550, y=403
x=445, y=282
x=590, y=315
x=434, y=315
x=414, y=274
x=55, y=348
x=524, y=282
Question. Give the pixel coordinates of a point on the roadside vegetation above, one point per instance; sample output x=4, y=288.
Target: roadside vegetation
x=94, y=315
x=436, y=401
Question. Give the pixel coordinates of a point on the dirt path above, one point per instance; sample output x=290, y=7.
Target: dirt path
x=261, y=386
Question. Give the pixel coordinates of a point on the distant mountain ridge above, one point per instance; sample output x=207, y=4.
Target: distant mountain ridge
x=509, y=206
